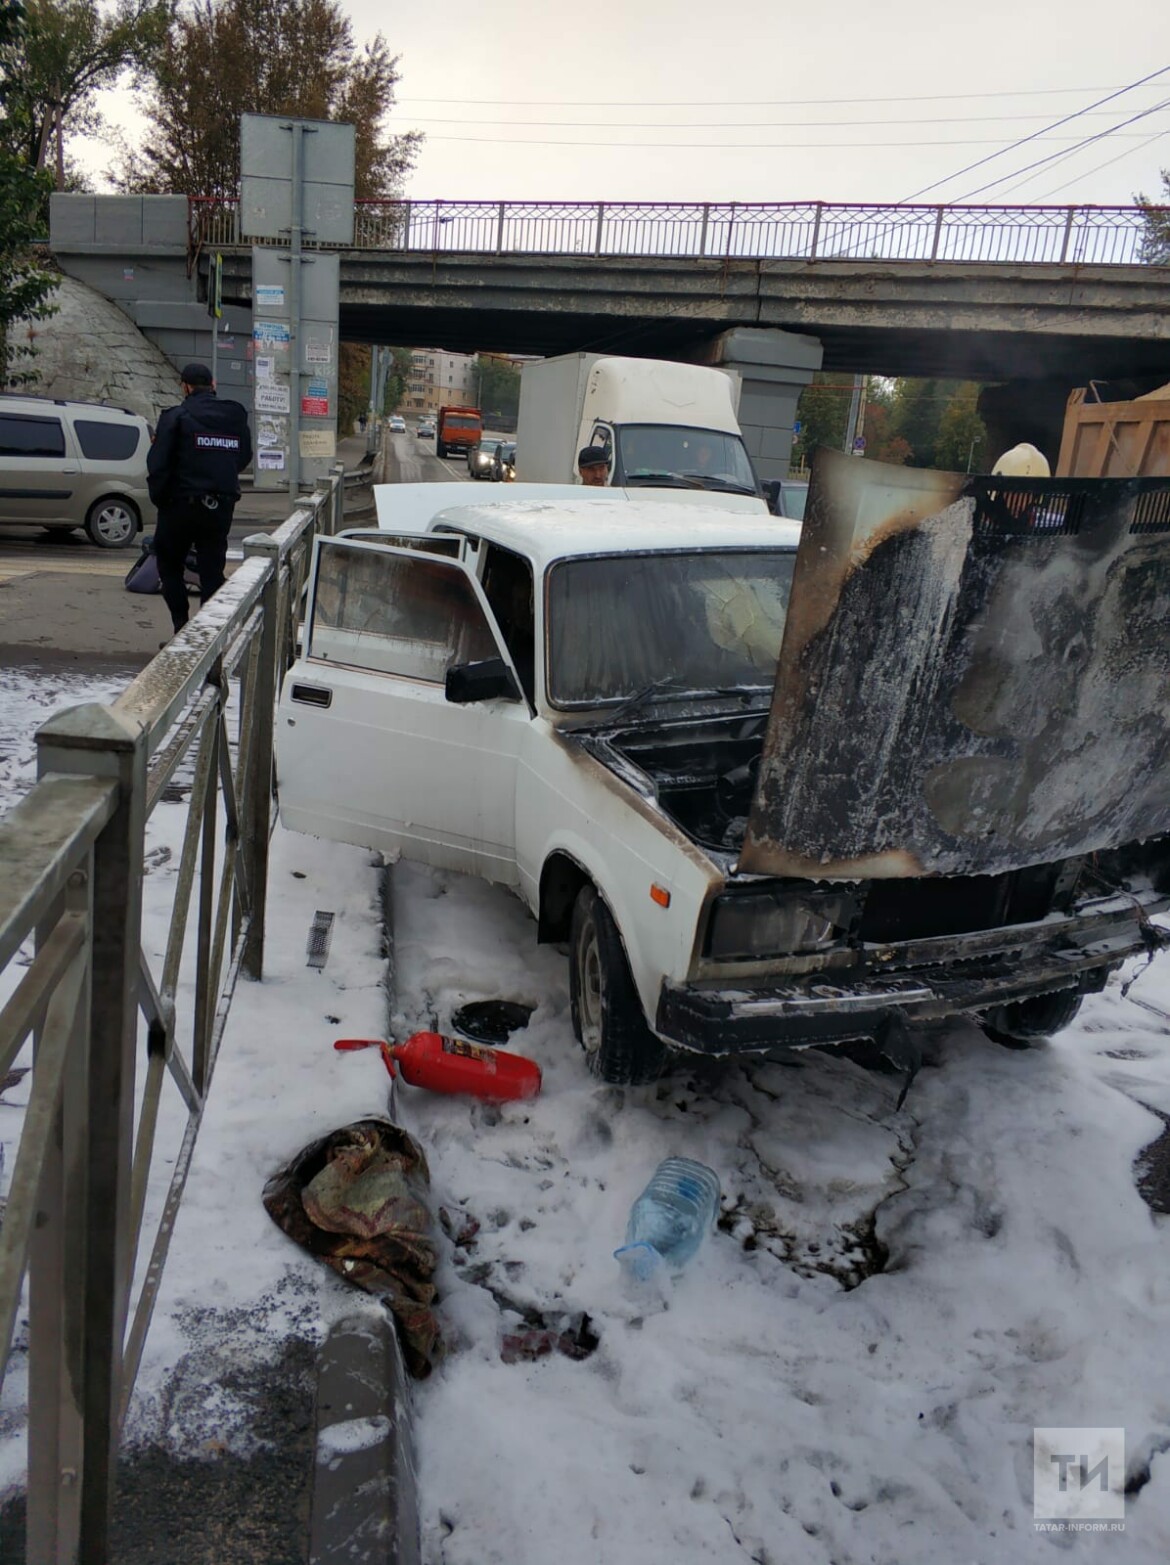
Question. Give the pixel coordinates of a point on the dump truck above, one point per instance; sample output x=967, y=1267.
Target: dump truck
x=1116, y=439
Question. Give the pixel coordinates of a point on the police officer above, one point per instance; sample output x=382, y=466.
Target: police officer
x=199, y=451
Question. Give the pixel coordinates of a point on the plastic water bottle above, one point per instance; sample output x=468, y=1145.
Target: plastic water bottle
x=670, y=1219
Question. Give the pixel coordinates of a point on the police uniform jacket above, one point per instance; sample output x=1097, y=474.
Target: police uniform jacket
x=200, y=448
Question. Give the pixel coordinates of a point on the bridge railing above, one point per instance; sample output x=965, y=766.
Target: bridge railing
x=797, y=231
x=116, y=1019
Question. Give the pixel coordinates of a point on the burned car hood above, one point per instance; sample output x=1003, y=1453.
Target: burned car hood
x=974, y=675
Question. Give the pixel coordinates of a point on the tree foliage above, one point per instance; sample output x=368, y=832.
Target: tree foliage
x=66, y=52
x=499, y=386
x=1155, y=249
x=961, y=441
x=25, y=285
x=823, y=415
x=224, y=58
x=396, y=380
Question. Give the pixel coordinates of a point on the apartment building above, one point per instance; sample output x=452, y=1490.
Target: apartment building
x=438, y=378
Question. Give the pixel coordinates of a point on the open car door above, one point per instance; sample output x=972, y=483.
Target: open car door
x=399, y=723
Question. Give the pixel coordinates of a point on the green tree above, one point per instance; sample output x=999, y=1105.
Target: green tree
x=25, y=284
x=915, y=411
x=396, y=380
x=961, y=443
x=224, y=58
x=823, y=415
x=1155, y=250
x=499, y=387
x=66, y=52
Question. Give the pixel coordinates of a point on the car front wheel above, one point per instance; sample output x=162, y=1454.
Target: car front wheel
x=112, y=524
x=607, y=1013
x=1039, y=1016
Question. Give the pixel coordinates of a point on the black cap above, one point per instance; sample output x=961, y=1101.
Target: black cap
x=593, y=456
x=195, y=375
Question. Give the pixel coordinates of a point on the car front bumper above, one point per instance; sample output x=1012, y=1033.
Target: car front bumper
x=734, y=1017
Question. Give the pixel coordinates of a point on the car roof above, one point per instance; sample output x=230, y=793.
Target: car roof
x=27, y=402
x=546, y=532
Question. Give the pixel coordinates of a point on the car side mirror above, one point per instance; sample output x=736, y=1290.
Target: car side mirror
x=490, y=680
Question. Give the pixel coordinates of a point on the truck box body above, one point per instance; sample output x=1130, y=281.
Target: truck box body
x=579, y=399
x=1116, y=439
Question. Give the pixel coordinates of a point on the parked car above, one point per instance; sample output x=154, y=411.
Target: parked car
x=755, y=829
x=397, y=424
x=504, y=462
x=65, y=465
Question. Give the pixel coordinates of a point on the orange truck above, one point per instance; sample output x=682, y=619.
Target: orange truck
x=1116, y=439
x=458, y=429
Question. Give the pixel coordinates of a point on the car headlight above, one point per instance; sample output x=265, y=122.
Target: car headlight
x=777, y=923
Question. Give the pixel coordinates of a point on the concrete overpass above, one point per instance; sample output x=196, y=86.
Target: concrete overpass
x=1037, y=299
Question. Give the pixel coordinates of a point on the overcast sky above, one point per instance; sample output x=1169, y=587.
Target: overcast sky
x=767, y=100
x=681, y=100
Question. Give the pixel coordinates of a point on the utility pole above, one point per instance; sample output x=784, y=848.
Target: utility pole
x=856, y=412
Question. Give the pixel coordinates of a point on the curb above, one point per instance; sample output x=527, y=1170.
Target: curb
x=364, y=1506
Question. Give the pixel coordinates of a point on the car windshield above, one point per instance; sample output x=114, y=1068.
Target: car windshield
x=461, y=421
x=623, y=624
x=657, y=454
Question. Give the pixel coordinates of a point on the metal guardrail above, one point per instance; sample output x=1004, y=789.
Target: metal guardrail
x=796, y=231
x=71, y=868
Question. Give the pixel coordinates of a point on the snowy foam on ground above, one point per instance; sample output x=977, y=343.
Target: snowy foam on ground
x=796, y=1401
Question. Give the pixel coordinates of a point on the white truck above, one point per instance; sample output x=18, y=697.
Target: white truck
x=665, y=425
x=773, y=785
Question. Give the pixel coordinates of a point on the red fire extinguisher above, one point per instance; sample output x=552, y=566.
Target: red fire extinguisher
x=443, y=1064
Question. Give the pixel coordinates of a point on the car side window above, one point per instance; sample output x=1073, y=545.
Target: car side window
x=21, y=435
x=408, y=615
x=508, y=587
x=102, y=441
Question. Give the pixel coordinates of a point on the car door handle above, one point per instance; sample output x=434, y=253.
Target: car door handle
x=70, y=469
x=312, y=695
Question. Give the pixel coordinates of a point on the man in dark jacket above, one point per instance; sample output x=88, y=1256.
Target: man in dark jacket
x=199, y=451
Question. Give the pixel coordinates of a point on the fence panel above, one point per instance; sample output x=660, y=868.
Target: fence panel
x=196, y=725
x=1017, y=236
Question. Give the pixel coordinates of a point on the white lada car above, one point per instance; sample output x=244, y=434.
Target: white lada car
x=769, y=796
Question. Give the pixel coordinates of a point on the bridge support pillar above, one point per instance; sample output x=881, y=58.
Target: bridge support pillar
x=774, y=367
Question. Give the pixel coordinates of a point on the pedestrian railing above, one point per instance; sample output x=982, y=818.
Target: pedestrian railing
x=793, y=231
x=197, y=726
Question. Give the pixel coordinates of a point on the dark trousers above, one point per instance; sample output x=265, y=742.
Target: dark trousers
x=183, y=526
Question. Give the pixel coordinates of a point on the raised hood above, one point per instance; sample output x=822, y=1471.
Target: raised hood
x=974, y=676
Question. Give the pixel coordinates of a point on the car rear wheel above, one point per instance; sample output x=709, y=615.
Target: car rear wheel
x=1039, y=1016
x=112, y=523
x=607, y=1013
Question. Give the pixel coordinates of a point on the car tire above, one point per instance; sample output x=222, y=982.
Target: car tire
x=606, y=1011
x=440, y=448
x=1039, y=1016
x=113, y=523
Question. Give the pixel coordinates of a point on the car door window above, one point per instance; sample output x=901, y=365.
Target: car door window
x=391, y=612
x=21, y=435
x=103, y=441
x=508, y=587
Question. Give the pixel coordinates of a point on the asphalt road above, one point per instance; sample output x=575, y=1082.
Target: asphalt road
x=62, y=599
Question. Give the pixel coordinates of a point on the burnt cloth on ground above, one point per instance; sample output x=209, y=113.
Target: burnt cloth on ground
x=354, y=1200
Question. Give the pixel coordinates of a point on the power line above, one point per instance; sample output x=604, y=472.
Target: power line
x=1035, y=136
x=756, y=146
x=740, y=103
x=945, y=119
x=1129, y=151
x=1053, y=156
